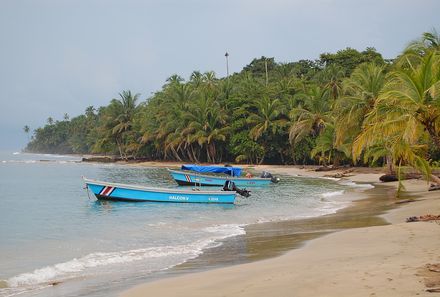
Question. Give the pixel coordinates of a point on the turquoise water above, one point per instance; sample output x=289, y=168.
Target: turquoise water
x=53, y=231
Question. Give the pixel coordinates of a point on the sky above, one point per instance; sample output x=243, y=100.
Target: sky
x=61, y=56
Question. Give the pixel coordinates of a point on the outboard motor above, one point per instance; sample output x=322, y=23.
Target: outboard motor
x=230, y=186
x=273, y=179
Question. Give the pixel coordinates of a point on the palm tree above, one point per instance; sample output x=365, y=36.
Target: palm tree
x=266, y=121
x=266, y=118
x=331, y=77
x=196, y=79
x=406, y=113
x=26, y=130
x=312, y=116
x=173, y=79
x=120, y=120
x=415, y=93
x=325, y=148
x=206, y=126
x=428, y=42
x=361, y=91
x=163, y=121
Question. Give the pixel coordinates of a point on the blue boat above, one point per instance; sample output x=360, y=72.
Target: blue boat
x=191, y=175
x=123, y=192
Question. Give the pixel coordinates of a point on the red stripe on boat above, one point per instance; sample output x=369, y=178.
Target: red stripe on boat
x=107, y=190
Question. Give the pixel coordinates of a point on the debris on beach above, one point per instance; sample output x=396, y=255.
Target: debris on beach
x=393, y=177
x=433, y=267
x=434, y=187
x=342, y=174
x=423, y=218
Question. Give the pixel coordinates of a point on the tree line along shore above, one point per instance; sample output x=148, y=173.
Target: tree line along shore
x=347, y=107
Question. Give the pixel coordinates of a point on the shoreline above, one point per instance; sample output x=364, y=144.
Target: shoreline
x=275, y=276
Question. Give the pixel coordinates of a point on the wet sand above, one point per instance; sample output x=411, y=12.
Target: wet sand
x=383, y=256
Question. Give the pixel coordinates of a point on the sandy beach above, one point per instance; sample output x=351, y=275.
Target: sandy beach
x=391, y=260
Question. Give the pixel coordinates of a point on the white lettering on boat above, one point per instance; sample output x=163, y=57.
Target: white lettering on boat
x=179, y=198
x=212, y=198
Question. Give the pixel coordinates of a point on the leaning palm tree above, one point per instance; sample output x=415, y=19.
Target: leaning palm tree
x=414, y=91
x=406, y=113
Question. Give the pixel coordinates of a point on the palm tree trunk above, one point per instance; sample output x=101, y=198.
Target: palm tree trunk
x=118, y=143
x=208, y=156
x=282, y=157
x=176, y=155
x=213, y=152
x=336, y=160
x=262, y=159
x=389, y=164
x=196, y=160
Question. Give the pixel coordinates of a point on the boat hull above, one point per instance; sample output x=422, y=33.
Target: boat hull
x=189, y=178
x=122, y=192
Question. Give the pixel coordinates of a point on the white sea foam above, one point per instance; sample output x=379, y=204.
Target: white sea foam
x=16, y=153
x=329, y=178
x=355, y=185
x=226, y=230
x=79, y=266
x=332, y=194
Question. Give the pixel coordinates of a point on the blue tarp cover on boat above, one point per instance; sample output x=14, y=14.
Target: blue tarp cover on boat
x=233, y=171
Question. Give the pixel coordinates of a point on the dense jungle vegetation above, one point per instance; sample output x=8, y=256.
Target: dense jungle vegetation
x=343, y=108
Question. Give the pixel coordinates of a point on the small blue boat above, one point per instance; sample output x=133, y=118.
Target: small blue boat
x=123, y=192
x=192, y=176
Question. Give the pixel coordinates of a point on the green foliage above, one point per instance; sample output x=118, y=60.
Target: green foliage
x=346, y=107
x=350, y=58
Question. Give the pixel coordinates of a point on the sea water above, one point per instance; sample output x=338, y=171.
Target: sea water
x=56, y=239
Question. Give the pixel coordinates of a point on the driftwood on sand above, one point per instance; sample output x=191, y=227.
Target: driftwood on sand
x=434, y=187
x=345, y=173
x=423, y=218
x=325, y=168
x=393, y=177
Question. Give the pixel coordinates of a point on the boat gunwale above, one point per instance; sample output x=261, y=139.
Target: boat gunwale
x=217, y=176
x=153, y=189
x=109, y=198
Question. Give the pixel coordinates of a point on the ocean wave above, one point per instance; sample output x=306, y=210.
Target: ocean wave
x=79, y=266
x=226, y=230
x=76, y=266
x=332, y=194
x=355, y=185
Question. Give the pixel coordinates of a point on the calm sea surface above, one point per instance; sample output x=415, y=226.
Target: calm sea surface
x=51, y=230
